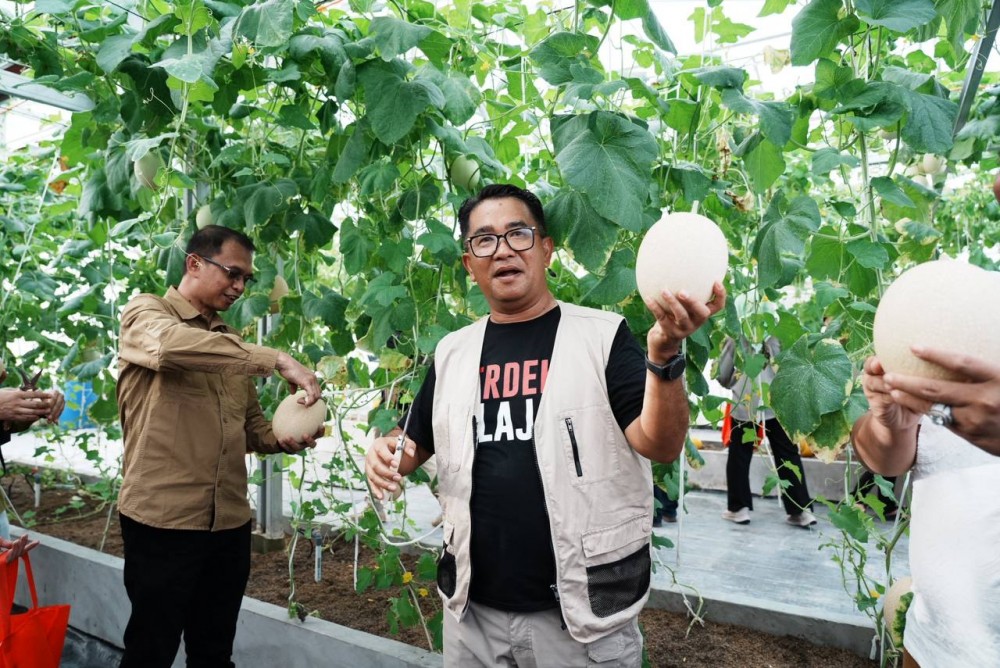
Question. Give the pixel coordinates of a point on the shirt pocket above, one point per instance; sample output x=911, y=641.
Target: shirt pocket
x=589, y=448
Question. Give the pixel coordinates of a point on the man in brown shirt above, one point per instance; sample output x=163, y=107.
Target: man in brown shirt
x=190, y=414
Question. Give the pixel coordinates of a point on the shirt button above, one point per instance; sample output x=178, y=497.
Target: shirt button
x=224, y=450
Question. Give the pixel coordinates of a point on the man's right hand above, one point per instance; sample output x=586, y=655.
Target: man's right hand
x=24, y=406
x=299, y=378
x=16, y=548
x=382, y=476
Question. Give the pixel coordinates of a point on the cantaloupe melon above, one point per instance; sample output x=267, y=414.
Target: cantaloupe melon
x=683, y=251
x=204, y=216
x=279, y=290
x=145, y=169
x=465, y=173
x=944, y=304
x=894, y=606
x=292, y=419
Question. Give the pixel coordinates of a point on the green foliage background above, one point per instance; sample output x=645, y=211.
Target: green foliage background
x=327, y=132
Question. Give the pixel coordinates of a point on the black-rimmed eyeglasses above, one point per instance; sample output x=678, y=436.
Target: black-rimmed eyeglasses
x=518, y=239
x=233, y=273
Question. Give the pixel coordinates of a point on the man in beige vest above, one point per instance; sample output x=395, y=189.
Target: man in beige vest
x=543, y=417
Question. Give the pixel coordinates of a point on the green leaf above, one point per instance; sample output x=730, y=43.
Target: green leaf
x=267, y=23
x=573, y=222
x=834, y=82
x=774, y=7
x=929, y=122
x=776, y=118
x=246, y=310
x=692, y=180
x=897, y=15
x=817, y=29
x=394, y=37
x=826, y=160
x=618, y=282
x=392, y=102
x=329, y=308
x=354, y=155
x=461, y=97
x=557, y=53
x=780, y=245
x=264, y=202
x=764, y=164
x=721, y=77
x=609, y=159
x=355, y=247
x=961, y=17
x=655, y=32
x=113, y=51
x=869, y=254
x=850, y=520
x=810, y=383
x=316, y=230
x=890, y=192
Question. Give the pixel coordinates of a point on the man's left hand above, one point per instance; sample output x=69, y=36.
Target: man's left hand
x=974, y=398
x=678, y=318
x=291, y=446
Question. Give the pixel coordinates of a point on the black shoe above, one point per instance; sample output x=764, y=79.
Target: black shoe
x=658, y=520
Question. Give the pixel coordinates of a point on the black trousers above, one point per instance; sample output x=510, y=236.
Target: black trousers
x=795, y=497
x=183, y=582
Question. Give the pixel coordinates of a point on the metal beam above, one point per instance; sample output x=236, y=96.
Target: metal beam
x=16, y=85
x=977, y=64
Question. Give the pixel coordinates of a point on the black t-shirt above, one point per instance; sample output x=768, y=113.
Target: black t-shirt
x=513, y=565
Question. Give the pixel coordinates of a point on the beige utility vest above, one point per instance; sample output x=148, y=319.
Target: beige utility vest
x=598, y=491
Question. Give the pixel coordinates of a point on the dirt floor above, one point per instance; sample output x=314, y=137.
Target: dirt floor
x=76, y=516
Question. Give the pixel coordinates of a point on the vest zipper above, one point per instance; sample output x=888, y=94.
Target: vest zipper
x=576, y=449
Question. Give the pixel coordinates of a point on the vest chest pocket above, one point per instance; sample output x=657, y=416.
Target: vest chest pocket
x=589, y=446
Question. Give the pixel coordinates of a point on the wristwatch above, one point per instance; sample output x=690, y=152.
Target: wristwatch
x=671, y=370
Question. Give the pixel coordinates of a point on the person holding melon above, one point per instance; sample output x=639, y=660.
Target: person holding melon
x=543, y=417
x=189, y=414
x=947, y=432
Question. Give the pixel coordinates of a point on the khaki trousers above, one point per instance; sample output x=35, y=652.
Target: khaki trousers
x=490, y=637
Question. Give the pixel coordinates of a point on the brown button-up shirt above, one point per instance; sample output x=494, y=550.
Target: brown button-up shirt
x=189, y=413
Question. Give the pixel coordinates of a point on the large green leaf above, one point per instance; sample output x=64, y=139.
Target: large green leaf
x=267, y=23
x=355, y=247
x=556, y=55
x=113, y=51
x=572, y=220
x=809, y=383
x=395, y=37
x=780, y=245
x=834, y=82
x=264, y=201
x=392, y=102
x=609, y=159
x=929, y=122
x=618, y=282
x=461, y=97
x=776, y=118
x=328, y=307
x=826, y=160
x=898, y=15
x=961, y=17
x=764, y=164
x=246, y=310
x=353, y=155
x=817, y=29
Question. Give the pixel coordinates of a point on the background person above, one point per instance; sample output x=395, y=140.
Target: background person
x=948, y=433
x=748, y=412
x=548, y=503
x=189, y=413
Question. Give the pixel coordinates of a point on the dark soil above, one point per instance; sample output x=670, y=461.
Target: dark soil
x=668, y=641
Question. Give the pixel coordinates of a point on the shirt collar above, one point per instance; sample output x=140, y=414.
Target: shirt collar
x=188, y=312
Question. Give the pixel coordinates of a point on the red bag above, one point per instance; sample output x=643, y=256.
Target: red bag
x=33, y=639
x=727, y=428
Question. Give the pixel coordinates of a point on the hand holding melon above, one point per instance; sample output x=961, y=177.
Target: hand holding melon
x=296, y=425
x=686, y=256
x=682, y=252
x=944, y=304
